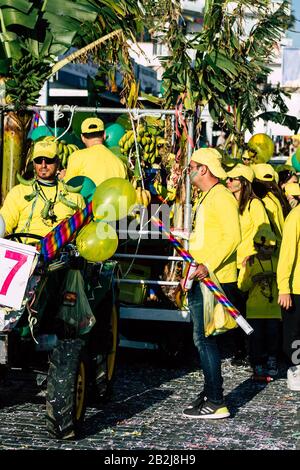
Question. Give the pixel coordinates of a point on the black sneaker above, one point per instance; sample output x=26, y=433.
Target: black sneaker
x=207, y=410
x=200, y=398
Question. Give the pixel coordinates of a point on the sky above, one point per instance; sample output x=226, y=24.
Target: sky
x=296, y=11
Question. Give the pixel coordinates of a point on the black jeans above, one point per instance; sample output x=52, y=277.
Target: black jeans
x=291, y=331
x=207, y=346
x=265, y=339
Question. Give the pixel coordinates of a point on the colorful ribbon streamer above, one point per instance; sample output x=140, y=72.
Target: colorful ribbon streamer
x=207, y=280
x=64, y=232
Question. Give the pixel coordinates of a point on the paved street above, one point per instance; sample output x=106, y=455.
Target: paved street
x=145, y=412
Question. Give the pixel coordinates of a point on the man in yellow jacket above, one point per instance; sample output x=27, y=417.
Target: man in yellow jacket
x=213, y=245
x=96, y=161
x=288, y=279
x=38, y=205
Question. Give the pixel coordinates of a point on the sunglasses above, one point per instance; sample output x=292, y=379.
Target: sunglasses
x=233, y=179
x=48, y=161
x=247, y=159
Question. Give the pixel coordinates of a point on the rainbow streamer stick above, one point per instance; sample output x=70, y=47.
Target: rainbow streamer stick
x=64, y=232
x=36, y=119
x=207, y=280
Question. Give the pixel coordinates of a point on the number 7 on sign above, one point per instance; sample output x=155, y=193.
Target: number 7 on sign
x=21, y=259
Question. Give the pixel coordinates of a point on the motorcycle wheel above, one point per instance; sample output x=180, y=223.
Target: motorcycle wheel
x=66, y=389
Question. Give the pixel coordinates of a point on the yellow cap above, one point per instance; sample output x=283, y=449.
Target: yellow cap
x=264, y=172
x=292, y=189
x=265, y=236
x=44, y=148
x=296, y=137
x=90, y=125
x=241, y=170
x=212, y=159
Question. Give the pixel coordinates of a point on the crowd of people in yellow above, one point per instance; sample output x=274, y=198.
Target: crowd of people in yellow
x=246, y=231
x=248, y=234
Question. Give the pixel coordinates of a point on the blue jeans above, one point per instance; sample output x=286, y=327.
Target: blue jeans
x=207, y=348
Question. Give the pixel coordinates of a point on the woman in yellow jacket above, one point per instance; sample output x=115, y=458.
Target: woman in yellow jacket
x=266, y=188
x=252, y=215
x=252, y=212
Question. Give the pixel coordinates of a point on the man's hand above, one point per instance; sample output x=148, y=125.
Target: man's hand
x=285, y=301
x=200, y=273
x=61, y=174
x=248, y=259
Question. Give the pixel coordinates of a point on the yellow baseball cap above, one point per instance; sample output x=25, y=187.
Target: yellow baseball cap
x=296, y=137
x=92, y=125
x=241, y=170
x=264, y=172
x=44, y=148
x=292, y=189
x=265, y=236
x=212, y=159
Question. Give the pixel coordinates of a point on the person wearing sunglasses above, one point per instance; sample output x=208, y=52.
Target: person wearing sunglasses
x=287, y=176
x=247, y=159
x=36, y=206
x=252, y=215
x=266, y=188
x=213, y=243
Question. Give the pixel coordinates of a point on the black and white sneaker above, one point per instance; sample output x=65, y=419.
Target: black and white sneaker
x=207, y=410
x=200, y=398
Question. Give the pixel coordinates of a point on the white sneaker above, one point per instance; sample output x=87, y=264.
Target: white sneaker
x=293, y=378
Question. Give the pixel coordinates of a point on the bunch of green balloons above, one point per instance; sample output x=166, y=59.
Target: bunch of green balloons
x=112, y=200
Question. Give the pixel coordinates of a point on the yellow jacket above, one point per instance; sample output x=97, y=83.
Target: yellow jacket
x=274, y=211
x=97, y=163
x=217, y=233
x=251, y=219
x=288, y=271
x=258, y=305
x=17, y=212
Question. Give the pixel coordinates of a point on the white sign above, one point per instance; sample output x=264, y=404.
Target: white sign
x=15, y=264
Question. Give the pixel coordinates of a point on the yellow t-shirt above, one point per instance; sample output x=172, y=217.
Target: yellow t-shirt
x=288, y=271
x=274, y=210
x=253, y=217
x=260, y=304
x=217, y=233
x=97, y=163
x=16, y=210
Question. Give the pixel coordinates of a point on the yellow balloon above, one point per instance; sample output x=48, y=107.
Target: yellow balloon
x=97, y=241
x=113, y=199
x=262, y=147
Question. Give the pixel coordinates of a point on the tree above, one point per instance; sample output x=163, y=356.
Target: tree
x=227, y=69
x=33, y=34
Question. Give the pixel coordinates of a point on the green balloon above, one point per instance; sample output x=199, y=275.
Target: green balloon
x=113, y=132
x=113, y=199
x=88, y=186
x=97, y=242
x=44, y=131
x=296, y=162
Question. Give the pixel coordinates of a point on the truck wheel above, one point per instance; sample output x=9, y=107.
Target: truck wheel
x=106, y=361
x=66, y=389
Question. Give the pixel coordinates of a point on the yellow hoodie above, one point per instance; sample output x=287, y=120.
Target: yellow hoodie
x=253, y=217
x=217, y=233
x=288, y=271
x=16, y=210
